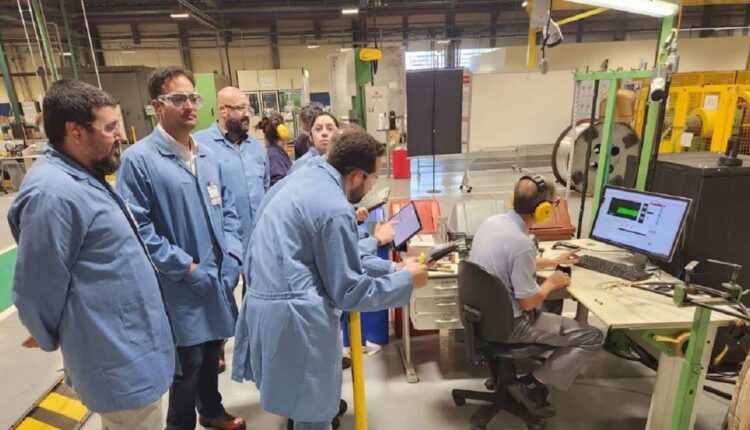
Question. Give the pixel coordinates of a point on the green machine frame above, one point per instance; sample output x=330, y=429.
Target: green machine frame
x=691, y=369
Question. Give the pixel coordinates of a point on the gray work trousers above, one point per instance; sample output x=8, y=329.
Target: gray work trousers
x=148, y=417
x=577, y=344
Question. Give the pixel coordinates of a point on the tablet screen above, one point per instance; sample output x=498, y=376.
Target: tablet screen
x=407, y=225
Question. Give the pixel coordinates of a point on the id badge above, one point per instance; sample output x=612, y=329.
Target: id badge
x=213, y=194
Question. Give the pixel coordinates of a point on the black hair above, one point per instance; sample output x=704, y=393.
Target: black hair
x=308, y=113
x=159, y=77
x=71, y=101
x=268, y=125
x=354, y=149
x=335, y=120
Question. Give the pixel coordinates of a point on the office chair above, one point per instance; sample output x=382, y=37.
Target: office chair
x=487, y=315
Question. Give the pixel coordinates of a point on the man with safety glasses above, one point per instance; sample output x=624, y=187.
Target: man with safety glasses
x=186, y=215
x=244, y=161
x=83, y=281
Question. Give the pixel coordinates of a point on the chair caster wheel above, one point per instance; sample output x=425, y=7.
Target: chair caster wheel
x=468, y=190
x=489, y=384
x=540, y=424
x=459, y=401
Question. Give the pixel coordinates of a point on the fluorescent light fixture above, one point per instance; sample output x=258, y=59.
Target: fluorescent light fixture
x=442, y=42
x=345, y=50
x=313, y=46
x=524, y=4
x=127, y=52
x=350, y=11
x=67, y=54
x=179, y=15
x=654, y=8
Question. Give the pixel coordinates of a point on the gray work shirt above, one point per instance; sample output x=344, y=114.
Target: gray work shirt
x=503, y=247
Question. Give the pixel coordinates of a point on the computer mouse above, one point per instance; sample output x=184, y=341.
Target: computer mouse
x=564, y=269
x=565, y=245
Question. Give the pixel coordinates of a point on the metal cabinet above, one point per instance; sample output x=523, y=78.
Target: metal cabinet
x=436, y=305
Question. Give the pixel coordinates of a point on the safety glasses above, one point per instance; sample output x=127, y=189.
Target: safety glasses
x=178, y=100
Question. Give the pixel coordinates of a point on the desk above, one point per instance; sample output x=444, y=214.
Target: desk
x=623, y=308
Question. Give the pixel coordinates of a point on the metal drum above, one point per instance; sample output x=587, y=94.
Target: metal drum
x=624, y=143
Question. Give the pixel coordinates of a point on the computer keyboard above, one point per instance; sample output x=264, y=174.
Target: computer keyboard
x=618, y=270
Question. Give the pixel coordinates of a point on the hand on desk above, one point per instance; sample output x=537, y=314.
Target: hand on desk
x=568, y=257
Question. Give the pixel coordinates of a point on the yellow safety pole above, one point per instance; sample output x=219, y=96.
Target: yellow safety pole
x=531, y=49
x=358, y=371
x=132, y=133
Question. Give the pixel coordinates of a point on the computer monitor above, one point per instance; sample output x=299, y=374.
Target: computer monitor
x=646, y=223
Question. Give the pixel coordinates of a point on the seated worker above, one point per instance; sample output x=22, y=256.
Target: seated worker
x=503, y=247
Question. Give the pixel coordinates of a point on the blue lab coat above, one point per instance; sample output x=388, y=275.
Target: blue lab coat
x=84, y=282
x=180, y=225
x=304, y=160
x=306, y=269
x=245, y=170
x=368, y=245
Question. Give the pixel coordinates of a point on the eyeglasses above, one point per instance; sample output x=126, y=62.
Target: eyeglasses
x=238, y=108
x=178, y=100
x=110, y=127
x=374, y=178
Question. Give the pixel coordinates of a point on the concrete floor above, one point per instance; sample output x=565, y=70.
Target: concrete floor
x=611, y=394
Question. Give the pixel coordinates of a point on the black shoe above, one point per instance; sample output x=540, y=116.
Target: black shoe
x=533, y=396
x=335, y=423
x=346, y=362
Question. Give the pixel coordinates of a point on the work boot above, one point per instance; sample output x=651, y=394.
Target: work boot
x=532, y=394
x=223, y=422
x=335, y=423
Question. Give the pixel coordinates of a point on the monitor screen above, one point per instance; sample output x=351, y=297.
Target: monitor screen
x=642, y=222
x=407, y=224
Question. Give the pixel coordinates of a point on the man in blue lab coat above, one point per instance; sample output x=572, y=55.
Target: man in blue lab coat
x=186, y=215
x=83, y=280
x=306, y=269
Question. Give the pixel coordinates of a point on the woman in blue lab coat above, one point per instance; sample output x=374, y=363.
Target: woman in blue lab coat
x=321, y=132
x=306, y=269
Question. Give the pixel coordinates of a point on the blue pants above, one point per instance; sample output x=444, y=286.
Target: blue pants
x=197, y=387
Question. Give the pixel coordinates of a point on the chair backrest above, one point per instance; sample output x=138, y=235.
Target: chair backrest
x=486, y=293
x=427, y=209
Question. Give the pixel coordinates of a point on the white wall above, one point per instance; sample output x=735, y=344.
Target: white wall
x=718, y=53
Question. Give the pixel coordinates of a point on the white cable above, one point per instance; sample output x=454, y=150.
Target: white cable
x=574, y=130
x=42, y=81
x=91, y=44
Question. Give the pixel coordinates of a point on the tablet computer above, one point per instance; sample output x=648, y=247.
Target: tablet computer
x=406, y=226
x=439, y=251
x=375, y=199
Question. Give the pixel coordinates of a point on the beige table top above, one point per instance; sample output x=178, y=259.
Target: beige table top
x=623, y=307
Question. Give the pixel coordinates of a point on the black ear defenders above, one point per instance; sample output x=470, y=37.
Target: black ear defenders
x=543, y=210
